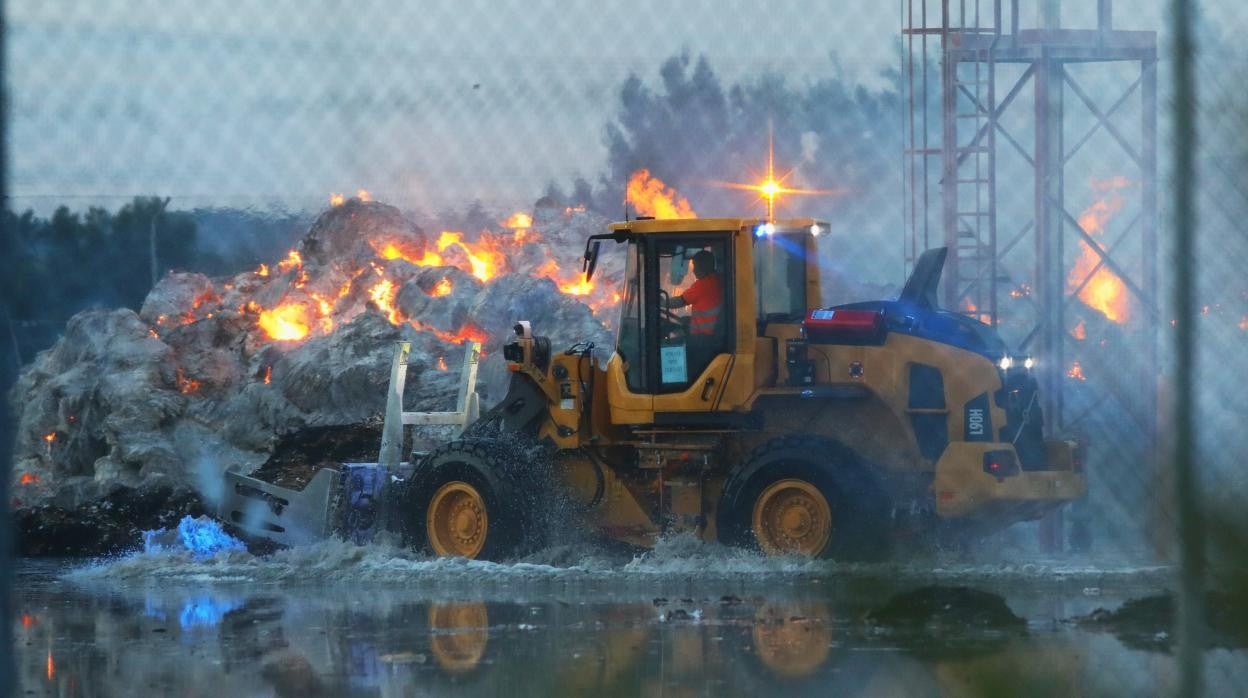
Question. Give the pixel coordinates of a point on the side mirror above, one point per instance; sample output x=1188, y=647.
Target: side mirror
x=591, y=258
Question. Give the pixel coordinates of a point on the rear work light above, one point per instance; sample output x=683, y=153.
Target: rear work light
x=1001, y=464
x=833, y=326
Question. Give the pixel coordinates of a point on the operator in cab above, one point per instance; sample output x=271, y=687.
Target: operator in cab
x=705, y=297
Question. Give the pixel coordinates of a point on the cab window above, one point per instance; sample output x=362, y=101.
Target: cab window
x=694, y=312
x=630, y=343
x=780, y=277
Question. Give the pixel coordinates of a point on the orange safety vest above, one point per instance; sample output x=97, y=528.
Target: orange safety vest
x=705, y=297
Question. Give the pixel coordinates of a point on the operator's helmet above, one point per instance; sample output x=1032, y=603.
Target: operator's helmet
x=704, y=260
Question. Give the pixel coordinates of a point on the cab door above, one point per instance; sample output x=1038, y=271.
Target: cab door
x=693, y=315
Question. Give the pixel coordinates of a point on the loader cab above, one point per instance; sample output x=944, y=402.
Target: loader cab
x=690, y=313
x=677, y=313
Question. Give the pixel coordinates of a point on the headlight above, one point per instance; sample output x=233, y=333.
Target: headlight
x=1029, y=363
x=815, y=230
x=1006, y=363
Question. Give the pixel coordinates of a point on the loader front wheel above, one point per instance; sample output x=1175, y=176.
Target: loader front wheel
x=469, y=499
x=457, y=522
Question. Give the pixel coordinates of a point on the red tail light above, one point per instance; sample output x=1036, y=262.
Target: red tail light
x=834, y=326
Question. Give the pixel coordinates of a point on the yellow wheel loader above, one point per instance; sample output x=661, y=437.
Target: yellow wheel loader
x=734, y=407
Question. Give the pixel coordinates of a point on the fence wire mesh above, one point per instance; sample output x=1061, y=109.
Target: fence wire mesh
x=149, y=137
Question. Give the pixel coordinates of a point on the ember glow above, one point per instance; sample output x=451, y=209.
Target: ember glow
x=268, y=375
x=49, y=437
x=287, y=322
x=28, y=479
x=1076, y=372
x=441, y=363
x=651, y=197
x=186, y=385
x=1104, y=292
x=1080, y=332
x=468, y=333
x=442, y=288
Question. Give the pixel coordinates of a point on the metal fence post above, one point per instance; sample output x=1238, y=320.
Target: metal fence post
x=1191, y=551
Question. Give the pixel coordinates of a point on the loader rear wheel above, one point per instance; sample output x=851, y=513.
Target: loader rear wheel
x=804, y=496
x=473, y=498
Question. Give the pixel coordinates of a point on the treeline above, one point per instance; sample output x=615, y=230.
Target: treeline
x=56, y=266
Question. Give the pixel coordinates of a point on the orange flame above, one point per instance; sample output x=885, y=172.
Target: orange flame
x=1104, y=292
x=1080, y=332
x=51, y=666
x=49, y=437
x=263, y=270
x=293, y=260
x=518, y=220
x=186, y=386
x=363, y=195
x=336, y=199
x=483, y=258
x=268, y=375
x=404, y=249
x=382, y=294
x=28, y=479
x=651, y=197
x=286, y=322
x=441, y=363
x=1076, y=372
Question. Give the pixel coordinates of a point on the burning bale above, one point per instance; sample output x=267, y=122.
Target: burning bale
x=213, y=373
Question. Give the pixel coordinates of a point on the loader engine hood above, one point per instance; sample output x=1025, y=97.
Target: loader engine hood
x=916, y=312
x=954, y=329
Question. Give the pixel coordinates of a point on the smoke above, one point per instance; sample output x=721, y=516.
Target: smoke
x=694, y=132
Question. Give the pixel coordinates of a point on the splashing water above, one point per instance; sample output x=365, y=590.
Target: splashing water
x=202, y=537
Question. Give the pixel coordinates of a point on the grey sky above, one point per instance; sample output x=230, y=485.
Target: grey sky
x=426, y=104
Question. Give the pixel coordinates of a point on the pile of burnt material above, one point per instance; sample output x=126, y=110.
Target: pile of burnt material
x=214, y=373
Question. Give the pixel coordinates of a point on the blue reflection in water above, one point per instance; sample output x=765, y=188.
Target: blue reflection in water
x=206, y=611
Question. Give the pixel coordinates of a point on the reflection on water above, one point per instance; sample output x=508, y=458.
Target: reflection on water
x=360, y=640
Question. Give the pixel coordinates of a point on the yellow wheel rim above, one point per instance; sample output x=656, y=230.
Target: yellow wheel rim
x=460, y=632
x=792, y=517
x=457, y=522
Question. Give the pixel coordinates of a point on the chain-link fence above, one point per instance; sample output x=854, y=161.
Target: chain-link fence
x=1042, y=141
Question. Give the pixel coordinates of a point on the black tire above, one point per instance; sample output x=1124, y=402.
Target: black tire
x=504, y=475
x=860, y=510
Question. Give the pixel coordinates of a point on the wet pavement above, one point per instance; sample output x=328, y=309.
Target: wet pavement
x=372, y=622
